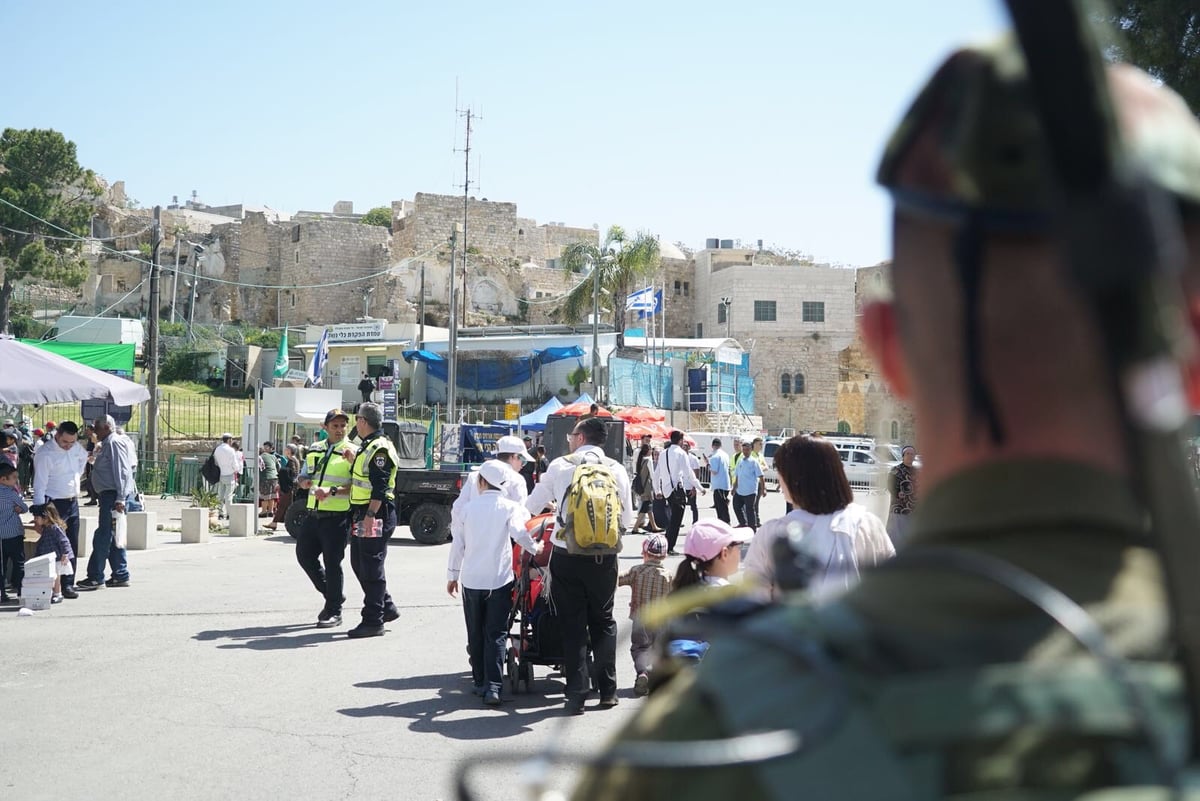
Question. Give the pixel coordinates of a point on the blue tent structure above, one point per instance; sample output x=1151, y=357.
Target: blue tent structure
x=536, y=420
x=491, y=375
x=584, y=398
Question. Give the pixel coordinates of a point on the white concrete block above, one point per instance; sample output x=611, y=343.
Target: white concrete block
x=142, y=530
x=87, y=528
x=195, y=525
x=243, y=519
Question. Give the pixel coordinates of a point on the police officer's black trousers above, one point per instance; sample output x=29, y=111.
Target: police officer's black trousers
x=367, y=555
x=721, y=504
x=323, y=539
x=583, y=589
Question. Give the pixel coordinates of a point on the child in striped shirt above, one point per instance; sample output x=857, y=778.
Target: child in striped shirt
x=650, y=581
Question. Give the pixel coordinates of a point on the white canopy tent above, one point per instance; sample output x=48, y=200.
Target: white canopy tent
x=30, y=375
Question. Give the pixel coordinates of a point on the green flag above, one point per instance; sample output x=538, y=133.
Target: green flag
x=281, y=359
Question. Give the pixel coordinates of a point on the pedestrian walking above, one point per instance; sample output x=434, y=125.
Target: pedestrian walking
x=321, y=546
x=718, y=479
x=12, y=532
x=481, y=563
x=674, y=483
x=650, y=582
x=748, y=487
x=902, y=486
x=583, y=587
x=373, y=516
x=56, y=481
x=112, y=476
x=227, y=460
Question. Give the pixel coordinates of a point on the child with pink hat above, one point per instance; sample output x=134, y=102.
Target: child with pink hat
x=712, y=553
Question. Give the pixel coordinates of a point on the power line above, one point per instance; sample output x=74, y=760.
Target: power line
x=221, y=280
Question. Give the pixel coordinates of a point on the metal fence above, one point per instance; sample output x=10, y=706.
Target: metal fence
x=176, y=475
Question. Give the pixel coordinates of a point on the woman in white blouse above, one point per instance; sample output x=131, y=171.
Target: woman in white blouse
x=839, y=535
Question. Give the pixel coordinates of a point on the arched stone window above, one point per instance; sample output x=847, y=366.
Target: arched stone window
x=895, y=431
x=785, y=384
x=798, y=384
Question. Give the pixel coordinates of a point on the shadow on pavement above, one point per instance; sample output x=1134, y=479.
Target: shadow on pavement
x=439, y=715
x=269, y=638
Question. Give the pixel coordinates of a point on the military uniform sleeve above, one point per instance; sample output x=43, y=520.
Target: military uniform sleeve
x=676, y=713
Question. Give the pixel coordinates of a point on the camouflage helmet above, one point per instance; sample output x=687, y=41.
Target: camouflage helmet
x=972, y=139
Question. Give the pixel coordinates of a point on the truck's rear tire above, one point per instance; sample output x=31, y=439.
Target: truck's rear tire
x=430, y=524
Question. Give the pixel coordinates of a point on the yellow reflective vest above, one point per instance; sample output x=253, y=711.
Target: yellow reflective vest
x=329, y=468
x=360, y=476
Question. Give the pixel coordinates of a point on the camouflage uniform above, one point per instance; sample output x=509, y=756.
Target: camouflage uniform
x=949, y=685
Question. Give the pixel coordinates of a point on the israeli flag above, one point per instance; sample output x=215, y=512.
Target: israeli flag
x=654, y=307
x=316, y=368
x=642, y=300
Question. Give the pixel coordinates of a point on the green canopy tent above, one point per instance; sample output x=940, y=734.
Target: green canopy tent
x=109, y=358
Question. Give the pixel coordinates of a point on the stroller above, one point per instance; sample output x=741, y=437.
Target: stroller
x=534, y=634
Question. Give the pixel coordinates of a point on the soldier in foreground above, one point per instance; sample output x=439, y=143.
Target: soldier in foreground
x=924, y=682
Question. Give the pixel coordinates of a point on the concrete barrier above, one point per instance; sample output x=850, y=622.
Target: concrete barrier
x=142, y=531
x=87, y=528
x=194, y=524
x=243, y=519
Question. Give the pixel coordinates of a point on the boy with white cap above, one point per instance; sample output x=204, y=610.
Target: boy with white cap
x=481, y=561
x=511, y=455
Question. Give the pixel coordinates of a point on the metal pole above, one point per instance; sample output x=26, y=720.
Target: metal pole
x=596, y=330
x=175, y=281
x=152, y=335
x=421, y=322
x=195, y=257
x=451, y=355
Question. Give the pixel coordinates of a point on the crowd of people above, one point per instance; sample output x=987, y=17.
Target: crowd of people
x=99, y=460
x=652, y=498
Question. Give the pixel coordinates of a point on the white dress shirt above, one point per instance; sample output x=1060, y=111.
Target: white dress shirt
x=481, y=556
x=674, y=470
x=56, y=471
x=226, y=458
x=556, y=481
x=513, y=488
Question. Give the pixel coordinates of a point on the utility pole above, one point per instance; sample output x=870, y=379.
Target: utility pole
x=466, y=200
x=595, y=328
x=452, y=349
x=151, y=448
x=421, y=312
x=175, y=280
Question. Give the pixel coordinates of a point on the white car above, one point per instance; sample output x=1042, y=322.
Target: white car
x=770, y=474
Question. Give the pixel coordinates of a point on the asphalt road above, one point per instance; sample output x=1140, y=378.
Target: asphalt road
x=207, y=679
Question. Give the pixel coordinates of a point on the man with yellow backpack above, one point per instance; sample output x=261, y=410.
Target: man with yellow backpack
x=595, y=508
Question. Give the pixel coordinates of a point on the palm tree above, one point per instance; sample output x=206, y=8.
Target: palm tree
x=624, y=264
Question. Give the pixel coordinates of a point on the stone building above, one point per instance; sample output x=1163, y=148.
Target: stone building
x=794, y=319
x=865, y=403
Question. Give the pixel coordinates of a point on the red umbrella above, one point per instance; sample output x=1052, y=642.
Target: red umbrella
x=641, y=414
x=578, y=409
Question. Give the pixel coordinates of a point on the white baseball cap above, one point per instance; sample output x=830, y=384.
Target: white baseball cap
x=494, y=472
x=511, y=444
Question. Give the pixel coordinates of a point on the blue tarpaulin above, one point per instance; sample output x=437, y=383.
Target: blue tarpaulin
x=476, y=374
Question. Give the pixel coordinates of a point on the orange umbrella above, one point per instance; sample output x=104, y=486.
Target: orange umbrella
x=641, y=414
x=578, y=409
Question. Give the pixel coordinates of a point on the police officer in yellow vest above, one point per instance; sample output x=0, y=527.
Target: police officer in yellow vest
x=373, y=510
x=326, y=475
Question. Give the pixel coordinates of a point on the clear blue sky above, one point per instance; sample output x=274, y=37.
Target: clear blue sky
x=760, y=120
